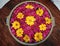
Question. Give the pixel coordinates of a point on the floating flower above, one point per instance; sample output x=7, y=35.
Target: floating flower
x=19, y=32
x=15, y=24
x=48, y=20
x=39, y=12
x=30, y=20
x=42, y=27
x=20, y=15
x=38, y=36
x=29, y=6
x=26, y=38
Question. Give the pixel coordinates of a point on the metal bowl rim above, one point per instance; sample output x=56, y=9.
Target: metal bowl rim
x=8, y=24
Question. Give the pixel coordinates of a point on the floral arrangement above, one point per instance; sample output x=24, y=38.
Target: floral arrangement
x=30, y=22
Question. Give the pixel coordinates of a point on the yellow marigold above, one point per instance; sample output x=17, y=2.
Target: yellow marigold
x=38, y=36
x=15, y=24
x=30, y=20
x=19, y=32
x=20, y=15
x=26, y=38
x=29, y=6
x=42, y=27
x=39, y=12
x=48, y=20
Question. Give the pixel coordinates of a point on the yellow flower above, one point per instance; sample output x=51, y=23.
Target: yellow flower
x=19, y=32
x=15, y=24
x=30, y=20
x=20, y=15
x=39, y=12
x=29, y=6
x=42, y=27
x=38, y=36
x=26, y=38
x=48, y=20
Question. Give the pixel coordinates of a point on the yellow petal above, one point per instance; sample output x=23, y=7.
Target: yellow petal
x=19, y=32
x=20, y=15
x=42, y=27
x=29, y=6
x=30, y=20
x=26, y=38
x=48, y=20
x=15, y=24
x=39, y=12
x=38, y=36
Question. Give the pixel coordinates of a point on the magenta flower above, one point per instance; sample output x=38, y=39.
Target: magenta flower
x=31, y=32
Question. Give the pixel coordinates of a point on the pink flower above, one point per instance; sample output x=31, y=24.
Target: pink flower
x=46, y=33
x=21, y=39
x=49, y=26
x=12, y=20
x=47, y=14
x=13, y=32
x=30, y=30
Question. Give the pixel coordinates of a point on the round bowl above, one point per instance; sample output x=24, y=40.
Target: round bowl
x=24, y=43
